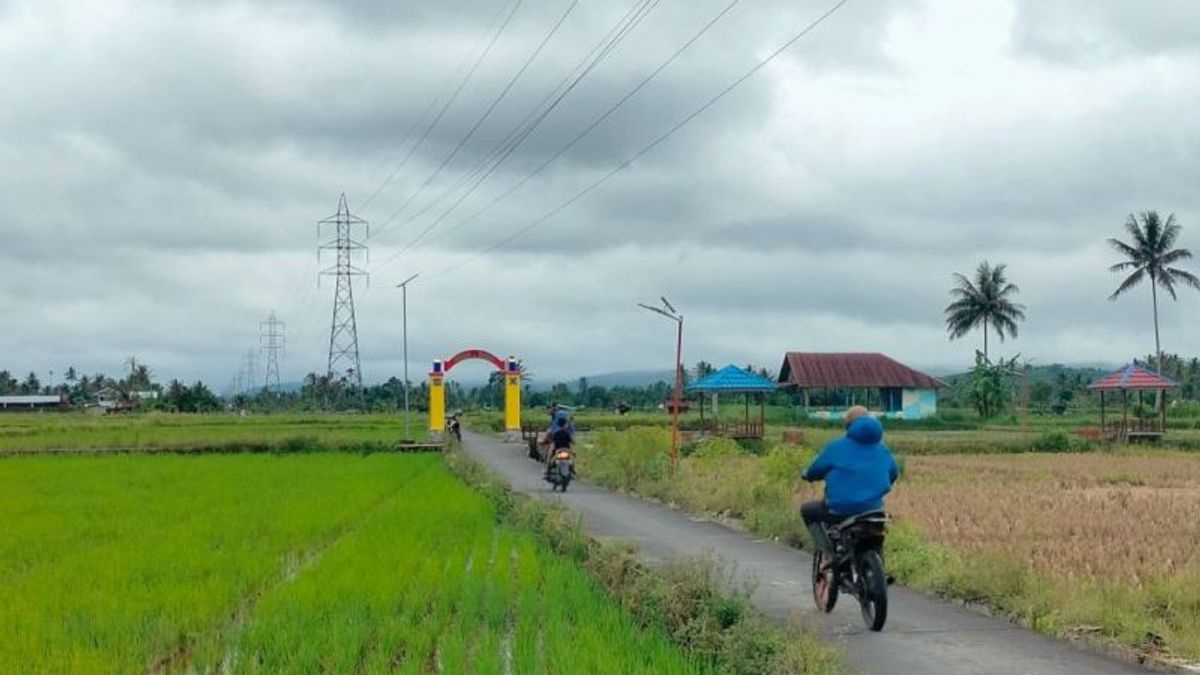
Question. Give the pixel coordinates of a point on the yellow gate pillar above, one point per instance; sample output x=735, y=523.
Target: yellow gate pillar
x=512, y=399
x=437, y=402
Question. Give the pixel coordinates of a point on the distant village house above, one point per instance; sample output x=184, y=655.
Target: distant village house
x=830, y=382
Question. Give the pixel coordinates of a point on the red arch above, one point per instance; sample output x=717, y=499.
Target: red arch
x=466, y=354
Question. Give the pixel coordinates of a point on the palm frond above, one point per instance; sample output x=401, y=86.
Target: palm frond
x=1135, y=231
x=1183, y=276
x=1125, y=249
x=1130, y=281
x=1174, y=256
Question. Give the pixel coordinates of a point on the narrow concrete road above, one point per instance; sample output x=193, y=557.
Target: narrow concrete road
x=923, y=636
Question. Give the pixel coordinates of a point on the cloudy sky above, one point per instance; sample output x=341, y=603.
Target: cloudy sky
x=163, y=166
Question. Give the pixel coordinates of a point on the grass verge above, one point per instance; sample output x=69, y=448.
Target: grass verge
x=1148, y=615
x=691, y=600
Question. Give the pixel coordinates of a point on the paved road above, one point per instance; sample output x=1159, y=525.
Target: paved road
x=922, y=636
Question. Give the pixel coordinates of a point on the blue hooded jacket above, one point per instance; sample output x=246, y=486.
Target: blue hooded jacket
x=562, y=420
x=858, y=469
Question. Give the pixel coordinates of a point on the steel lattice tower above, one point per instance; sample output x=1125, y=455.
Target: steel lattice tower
x=272, y=342
x=343, y=333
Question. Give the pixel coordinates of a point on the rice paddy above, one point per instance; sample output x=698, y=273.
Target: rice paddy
x=290, y=563
x=76, y=431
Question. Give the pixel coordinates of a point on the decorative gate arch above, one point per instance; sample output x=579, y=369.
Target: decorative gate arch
x=512, y=389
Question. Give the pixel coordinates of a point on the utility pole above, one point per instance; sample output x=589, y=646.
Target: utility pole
x=403, y=286
x=343, y=332
x=669, y=311
x=272, y=341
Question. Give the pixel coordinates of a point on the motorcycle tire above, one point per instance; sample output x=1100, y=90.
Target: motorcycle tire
x=872, y=598
x=825, y=584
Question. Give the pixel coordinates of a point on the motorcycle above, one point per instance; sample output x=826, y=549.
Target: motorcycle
x=455, y=428
x=855, y=567
x=561, y=471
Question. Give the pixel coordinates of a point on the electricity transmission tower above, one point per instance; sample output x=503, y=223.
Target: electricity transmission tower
x=343, y=333
x=271, y=341
x=251, y=370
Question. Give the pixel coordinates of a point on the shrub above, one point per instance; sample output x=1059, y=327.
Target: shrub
x=1053, y=441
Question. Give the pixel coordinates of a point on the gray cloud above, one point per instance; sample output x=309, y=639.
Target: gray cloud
x=167, y=164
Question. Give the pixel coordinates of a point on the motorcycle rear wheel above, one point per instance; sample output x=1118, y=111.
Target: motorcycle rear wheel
x=872, y=591
x=825, y=590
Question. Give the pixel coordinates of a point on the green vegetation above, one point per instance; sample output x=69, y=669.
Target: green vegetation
x=694, y=601
x=986, y=301
x=1105, y=572
x=217, y=431
x=292, y=563
x=1152, y=255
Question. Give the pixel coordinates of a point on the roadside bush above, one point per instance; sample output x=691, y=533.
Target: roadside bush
x=628, y=459
x=1052, y=441
x=784, y=463
x=712, y=448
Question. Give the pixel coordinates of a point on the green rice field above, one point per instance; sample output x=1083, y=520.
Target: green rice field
x=289, y=563
x=76, y=431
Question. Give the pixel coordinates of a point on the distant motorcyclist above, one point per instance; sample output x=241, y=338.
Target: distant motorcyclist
x=560, y=436
x=858, y=470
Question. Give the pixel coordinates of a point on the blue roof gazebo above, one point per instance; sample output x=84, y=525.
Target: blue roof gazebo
x=734, y=380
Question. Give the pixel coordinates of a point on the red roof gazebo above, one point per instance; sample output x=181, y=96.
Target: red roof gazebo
x=1133, y=378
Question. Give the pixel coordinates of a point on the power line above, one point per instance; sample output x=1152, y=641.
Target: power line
x=587, y=130
x=653, y=144
x=527, y=126
x=482, y=118
x=445, y=106
x=632, y=17
x=429, y=179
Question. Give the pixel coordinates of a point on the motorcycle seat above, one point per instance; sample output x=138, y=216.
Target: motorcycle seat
x=868, y=517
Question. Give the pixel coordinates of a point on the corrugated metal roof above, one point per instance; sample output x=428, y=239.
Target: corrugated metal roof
x=732, y=379
x=833, y=370
x=1133, y=378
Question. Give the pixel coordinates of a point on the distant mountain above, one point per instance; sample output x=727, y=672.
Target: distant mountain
x=1085, y=373
x=625, y=378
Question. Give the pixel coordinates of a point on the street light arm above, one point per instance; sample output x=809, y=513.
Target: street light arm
x=661, y=311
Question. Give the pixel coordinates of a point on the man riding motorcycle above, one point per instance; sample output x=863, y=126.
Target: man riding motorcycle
x=560, y=436
x=858, y=470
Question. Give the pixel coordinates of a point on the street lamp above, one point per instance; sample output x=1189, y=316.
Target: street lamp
x=403, y=286
x=669, y=311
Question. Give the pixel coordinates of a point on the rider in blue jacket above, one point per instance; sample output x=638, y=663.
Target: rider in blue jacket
x=858, y=470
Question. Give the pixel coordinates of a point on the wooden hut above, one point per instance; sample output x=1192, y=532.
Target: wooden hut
x=1136, y=379
x=733, y=380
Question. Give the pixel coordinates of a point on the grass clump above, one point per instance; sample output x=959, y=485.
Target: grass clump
x=695, y=602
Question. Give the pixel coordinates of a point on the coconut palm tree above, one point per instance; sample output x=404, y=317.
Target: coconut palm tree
x=1151, y=254
x=985, y=301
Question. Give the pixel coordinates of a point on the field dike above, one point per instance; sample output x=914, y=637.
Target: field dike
x=694, y=601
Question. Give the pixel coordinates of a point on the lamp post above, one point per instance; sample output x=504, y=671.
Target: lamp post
x=403, y=286
x=669, y=311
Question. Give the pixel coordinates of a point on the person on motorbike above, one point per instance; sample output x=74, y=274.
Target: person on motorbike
x=561, y=436
x=858, y=470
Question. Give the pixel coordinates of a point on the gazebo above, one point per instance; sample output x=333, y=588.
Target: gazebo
x=734, y=380
x=1133, y=378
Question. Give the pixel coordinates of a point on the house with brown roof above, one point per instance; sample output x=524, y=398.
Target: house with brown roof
x=842, y=379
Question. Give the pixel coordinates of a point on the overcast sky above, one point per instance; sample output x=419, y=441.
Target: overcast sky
x=163, y=166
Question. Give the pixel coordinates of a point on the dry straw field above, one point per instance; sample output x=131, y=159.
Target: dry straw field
x=1127, y=518
x=1100, y=542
